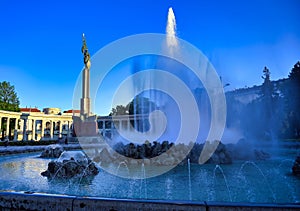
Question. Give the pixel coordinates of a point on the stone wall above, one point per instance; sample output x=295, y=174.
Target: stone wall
x=34, y=201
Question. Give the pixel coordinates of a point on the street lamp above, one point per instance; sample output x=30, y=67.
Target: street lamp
x=228, y=84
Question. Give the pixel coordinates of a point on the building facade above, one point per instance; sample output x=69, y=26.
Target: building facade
x=32, y=124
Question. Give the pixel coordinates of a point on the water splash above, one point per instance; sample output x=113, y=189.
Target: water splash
x=81, y=177
x=261, y=173
x=225, y=180
x=168, y=185
x=285, y=161
x=59, y=169
x=143, y=182
x=123, y=163
x=190, y=183
x=287, y=187
x=171, y=31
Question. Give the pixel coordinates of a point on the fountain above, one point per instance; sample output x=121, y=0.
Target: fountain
x=71, y=164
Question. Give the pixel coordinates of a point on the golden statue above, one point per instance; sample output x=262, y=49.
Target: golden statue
x=86, y=54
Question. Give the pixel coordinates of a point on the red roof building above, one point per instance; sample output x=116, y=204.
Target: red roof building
x=29, y=110
x=72, y=111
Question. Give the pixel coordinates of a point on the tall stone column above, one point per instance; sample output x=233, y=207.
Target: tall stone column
x=85, y=100
x=85, y=124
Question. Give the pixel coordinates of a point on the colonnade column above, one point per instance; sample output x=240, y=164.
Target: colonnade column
x=0, y=124
x=69, y=129
x=60, y=129
x=128, y=125
x=7, y=126
x=33, y=129
x=16, y=129
x=120, y=125
x=24, y=130
x=42, y=130
x=103, y=129
x=17, y=124
x=111, y=129
x=51, y=129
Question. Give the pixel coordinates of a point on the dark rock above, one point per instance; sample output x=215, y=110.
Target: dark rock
x=103, y=157
x=296, y=166
x=119, y=148
x=195, y=153
x=174, y=153
x=69, y=165
x=245, y=150
x=221, y=155
x=261, y=155
x=52, y=151
x=156, y=149
x=51, y=167
x=164, y=146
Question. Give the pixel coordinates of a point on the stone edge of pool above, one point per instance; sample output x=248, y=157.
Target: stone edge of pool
x=10, y=150
x=40, y=201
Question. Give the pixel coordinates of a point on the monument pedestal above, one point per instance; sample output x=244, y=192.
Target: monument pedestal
x=85, y=127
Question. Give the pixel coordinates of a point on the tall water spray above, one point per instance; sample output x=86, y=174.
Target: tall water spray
x=158, y=100
x=171, y=30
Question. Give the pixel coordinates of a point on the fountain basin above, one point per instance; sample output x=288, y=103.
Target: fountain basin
x=263, y=181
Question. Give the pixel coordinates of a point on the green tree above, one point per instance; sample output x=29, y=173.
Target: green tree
x=267, y=101
x=264, y=111
x=295, y=73
x=291, y=93
x=267, y=89
x=9, y=100
x=141, y=106
x=119, y=110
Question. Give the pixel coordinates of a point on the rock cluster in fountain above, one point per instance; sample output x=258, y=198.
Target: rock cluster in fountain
x=146, y=150
x=296, y=166
x=244, y=150
x=164, y=153
x=71, y=164
x=220, y=156
x=52, y=151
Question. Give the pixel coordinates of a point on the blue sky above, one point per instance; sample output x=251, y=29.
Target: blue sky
x=41, y=40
